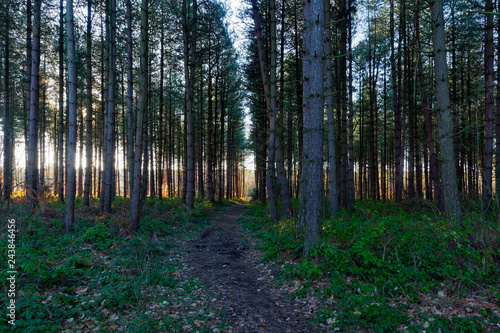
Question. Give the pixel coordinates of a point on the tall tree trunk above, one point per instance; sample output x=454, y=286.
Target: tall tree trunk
x=311, y=196
x=269, y=83
x=69, y=217
x=189, y=33
x=109, y=160
x=88, y=118
x=280, y=163
x=497, y=155
x=397, y=115
x=135, y=193
x=160, y=125
x=427, y=115
x=80, y=130
x=489, y=103
x=350, y=180
x=60, y=117
x=7, y=121
x=329, y=110
x=130, y=92
x=210, y=182
x=28, y=83
x=34, y=106
x=450, y=186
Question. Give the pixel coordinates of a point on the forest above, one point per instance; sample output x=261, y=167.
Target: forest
x=250, y=165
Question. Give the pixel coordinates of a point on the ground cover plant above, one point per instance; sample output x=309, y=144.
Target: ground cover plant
x=384, y=267
x=101, y=276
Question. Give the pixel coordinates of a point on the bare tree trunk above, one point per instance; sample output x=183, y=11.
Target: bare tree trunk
x=160, y=139
x=489, y=103
x=69, y=217
x=210, y=182
x=497, y=155
x=28, y=83
x=189, y=63
x=7, y=121
x=88, y=119
x=311, y=201
x=109, y=160
x=397, y=116
x=329, y=110
x=80, y=129
x=450, y=187
x=269, y=83
x=60, y=133
x=130, y=110
x=135, y=193
x=427, y=116
x=350, y=180
x=34, y=107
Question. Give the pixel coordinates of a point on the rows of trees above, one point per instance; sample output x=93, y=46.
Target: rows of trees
x=348, y=100
x=376, y=100
x=120, y=98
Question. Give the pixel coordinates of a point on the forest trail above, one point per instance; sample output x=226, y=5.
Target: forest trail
x=224, y=262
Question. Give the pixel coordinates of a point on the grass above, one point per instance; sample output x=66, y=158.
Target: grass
x=383, y=267
x=102, y=277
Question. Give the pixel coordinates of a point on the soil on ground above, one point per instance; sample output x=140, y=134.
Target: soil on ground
x=224, y=261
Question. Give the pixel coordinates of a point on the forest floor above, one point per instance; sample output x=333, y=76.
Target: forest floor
x=224, y=260
x=225, y=267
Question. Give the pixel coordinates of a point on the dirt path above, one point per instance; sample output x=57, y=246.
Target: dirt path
x=222, y=260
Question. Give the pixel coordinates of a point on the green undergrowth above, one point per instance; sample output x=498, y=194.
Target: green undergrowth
x=380, y=264
x=101, y=277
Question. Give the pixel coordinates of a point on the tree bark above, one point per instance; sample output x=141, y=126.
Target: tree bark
x=397, y=116
x=189, y=63
x=269, y=83
x=311, y=201
x=329, y=110
x=142, y=98
x=109, y=158
x=497, y=155
x=427, y=115
x=60, y=133
x=88, y=119
x=34, y=107
x=69, y=217
x=489, y=104
x=7, y=121
x=450, y=187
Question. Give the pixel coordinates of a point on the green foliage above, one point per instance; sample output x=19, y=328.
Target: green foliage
x=99, y=235
x=377, y=252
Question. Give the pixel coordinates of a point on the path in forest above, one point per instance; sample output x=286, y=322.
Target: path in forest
x=223, y=262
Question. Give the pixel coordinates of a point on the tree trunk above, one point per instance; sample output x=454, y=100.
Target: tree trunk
x=88, y=119
x=60, y=117
x=450, y=188
x=311, y=201
x=130, y=93
x=109, y=159
x=269, y=83
x=7, y=121
x=489, y=104
x=329, y=110
x=28, y=85
x=34, y=106
x=135, y=193
x=350, y=180
x=427, y=116
x=210, y=182
x=497, y=155
x=189, y=63
x=397, y=116
x=69, y=217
